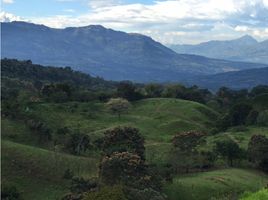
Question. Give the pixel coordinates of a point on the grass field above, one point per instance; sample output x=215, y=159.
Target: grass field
x=215, y=184
x=241, y=137
x=37, y=170
x=158, y=119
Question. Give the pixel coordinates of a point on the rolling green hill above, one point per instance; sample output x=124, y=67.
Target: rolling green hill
x=38, y=172
x=34, y=166
x=218, y=184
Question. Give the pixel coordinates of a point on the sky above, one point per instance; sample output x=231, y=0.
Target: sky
x=167, y=21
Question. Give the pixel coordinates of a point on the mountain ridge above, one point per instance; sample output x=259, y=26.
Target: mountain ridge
x=113, y=55
x=244, y=49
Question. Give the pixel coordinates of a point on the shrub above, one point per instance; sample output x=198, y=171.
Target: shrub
x=106, y=193
x=122, y=139
x=80, y=185
x=121, y=167
x=257, y=151
x=10, y=193
x=263, y=118
x=228, y=149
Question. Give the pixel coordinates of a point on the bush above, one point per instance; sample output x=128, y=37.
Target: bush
x=228, y=149
x=123, y=139
x=10, y=193
x=144, y=194
x=80, y=185
x=257, y=151
x=106, y=193
x=263, y=118
x=121, y=167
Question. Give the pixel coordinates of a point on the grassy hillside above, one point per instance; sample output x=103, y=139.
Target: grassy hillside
x=33, y=166
x=38, y=172
x=158, y=119
x=217, y=184
x=240, y=135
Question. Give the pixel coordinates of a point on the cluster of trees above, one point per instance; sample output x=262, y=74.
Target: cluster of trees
x=241, y=107
x=186, y=156
x=123, y=171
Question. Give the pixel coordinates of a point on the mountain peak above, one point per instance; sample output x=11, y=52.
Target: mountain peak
x=248, y=39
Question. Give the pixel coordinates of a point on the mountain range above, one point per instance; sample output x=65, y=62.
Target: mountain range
x=235, y=80
x=245, y=49
x=113, y=55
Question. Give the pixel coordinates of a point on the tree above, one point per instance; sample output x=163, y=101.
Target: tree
x=127, y=90
x=258, y=151
x=239, y=113
x=263, y=118
x=153, y=90
x=259, y=89
x=228, y=149
x=78, y=143
x=122, y=139
x=184, y=153
x=187, y=141
x=118, y=106
x=121, y=167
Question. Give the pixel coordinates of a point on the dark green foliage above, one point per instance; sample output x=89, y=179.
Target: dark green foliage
x=123, y=139
x=78, y=143
x=184, y=154
x=228, y=149
x=252, y=117
x=258, y=151
x=57, y=92
x=128, y=90
x=123, y=167
x=192, y=93
x=25, y=70
x=239, y=114
x=10, y=193
x=68, y=174
x=144, y=194
x=41, y=129
x=262, y=119
x=260, y=89
x=81, y=185
x=187, y=141
x=153, y=90
x=106, y=193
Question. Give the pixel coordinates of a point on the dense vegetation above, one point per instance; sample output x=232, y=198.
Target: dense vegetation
x=81, y=137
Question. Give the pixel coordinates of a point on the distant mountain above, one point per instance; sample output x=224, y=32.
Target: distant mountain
x=245, y=49
x=235, y=80
x=104, y=52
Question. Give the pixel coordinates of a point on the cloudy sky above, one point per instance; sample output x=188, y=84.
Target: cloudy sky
x=168, y=21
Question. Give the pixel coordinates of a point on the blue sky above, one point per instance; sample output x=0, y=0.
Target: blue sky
x=167, y=21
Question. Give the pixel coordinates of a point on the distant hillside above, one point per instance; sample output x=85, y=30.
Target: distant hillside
x=245, y=49
x=236, y=80
x=107, y=53
x=26, y=71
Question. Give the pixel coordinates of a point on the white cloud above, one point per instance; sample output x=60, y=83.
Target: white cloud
x=8, y=1
x=103, y=3
x=256, y=32
x=8, y=17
